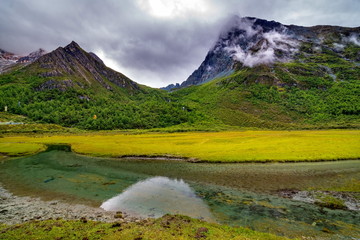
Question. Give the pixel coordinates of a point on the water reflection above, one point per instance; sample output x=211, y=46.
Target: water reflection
x=154, y=197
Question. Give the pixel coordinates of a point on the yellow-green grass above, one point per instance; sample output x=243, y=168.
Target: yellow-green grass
x=20, y=149
x=351, y=185
x=167, y=227
x=208, y=146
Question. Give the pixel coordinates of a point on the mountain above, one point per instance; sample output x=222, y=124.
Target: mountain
x=265, y=74
x=72, y=67
x=9, y=61
x=171, y=87
x=72, y=87
x=250, y=42
x=32, y=56
x=4, y=55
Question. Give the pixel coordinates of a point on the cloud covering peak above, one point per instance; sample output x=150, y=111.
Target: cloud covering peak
x=251, y=44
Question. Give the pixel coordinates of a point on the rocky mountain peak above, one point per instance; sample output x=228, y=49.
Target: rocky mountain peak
x=85, y=70
x=246, y=42
x=72, y=47
x=73, y=44
x=249, y=42
x=253, y=41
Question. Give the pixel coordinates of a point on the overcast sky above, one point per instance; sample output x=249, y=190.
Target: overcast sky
x=154, y=42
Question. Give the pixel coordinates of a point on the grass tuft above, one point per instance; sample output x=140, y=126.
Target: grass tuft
x=167, y=227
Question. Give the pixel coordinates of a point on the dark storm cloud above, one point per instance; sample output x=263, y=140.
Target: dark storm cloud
x=150, y=48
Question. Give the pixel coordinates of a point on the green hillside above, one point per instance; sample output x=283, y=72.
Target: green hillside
x=73, y=88
x=317, y=90
x=146, y=108
x=69, y=87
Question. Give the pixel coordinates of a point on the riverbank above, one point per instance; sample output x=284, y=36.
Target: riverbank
x=240, y=146
x=16, y=209
x=31, y=218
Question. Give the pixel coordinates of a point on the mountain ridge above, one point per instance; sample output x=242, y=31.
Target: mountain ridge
x=251, y=41
x=72, y=60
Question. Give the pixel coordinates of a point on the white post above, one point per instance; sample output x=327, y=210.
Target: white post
x=5, y=110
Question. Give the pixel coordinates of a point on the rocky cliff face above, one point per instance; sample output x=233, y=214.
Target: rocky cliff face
x=72, y=66
x=250, y=42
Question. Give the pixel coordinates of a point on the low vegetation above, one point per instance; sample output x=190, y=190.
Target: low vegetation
x=328, y=201
x=167, y=227
x=20, y=149
x=352, y=185
x=92, y=109
x=232, y=146
x=285, y=96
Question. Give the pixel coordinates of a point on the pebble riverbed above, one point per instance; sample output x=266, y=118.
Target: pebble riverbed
x=16, y=209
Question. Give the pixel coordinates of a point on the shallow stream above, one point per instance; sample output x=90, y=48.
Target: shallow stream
x=234, y=194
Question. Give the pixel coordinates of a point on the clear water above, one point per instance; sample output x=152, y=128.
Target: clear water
x=234, y=194
x=176, y=197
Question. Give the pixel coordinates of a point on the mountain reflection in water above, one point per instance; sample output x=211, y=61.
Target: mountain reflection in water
x=157, y=196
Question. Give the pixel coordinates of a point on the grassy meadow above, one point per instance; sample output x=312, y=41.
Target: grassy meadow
x=227, y=146
x=167, y=227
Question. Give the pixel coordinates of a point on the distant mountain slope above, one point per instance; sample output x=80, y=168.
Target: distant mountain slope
x=71, y=87
x=171, y=87
x=248, y=42
x=9, y=61
x=32, y=56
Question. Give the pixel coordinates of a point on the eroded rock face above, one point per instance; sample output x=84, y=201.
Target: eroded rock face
x=61, y=85
x=96, y=57
x=53, y=73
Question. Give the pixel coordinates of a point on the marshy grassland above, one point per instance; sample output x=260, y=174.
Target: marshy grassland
x=226, y=146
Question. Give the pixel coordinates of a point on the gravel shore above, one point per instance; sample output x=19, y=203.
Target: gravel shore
x=15, y=209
